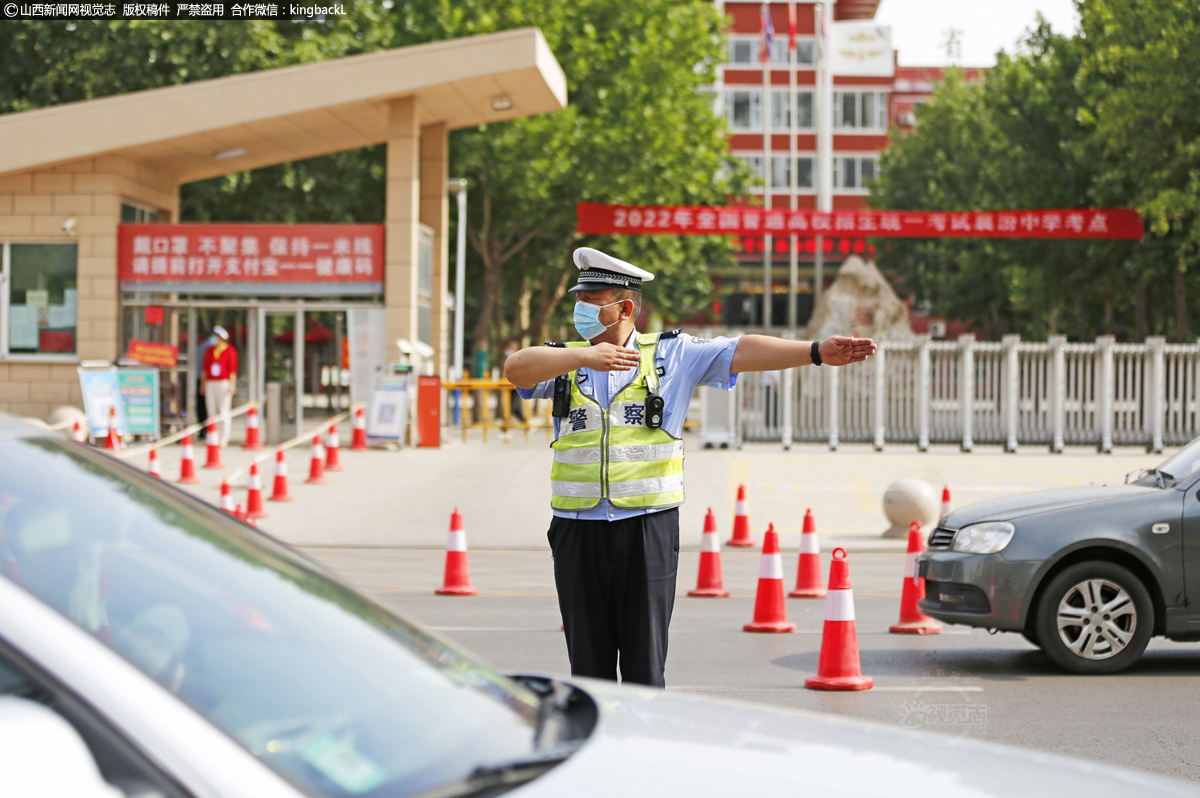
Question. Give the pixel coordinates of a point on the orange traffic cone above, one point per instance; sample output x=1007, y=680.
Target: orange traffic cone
x=154, y=470
x=770, y=610
x=316, y=468
x=113, y=439
x=253, y=441
x=945, y=501
x=709, y=583
x=457, y=579
x=226, y=497
x=808, y=573
x=187, y=466
x=741, y=522
x=254, y=499
x=358, y=443
x=238, y=514
x=912, y=620
x=837, y=666
x=331, y=450
x=77, y=433
x=212, y=440
x=279, y=492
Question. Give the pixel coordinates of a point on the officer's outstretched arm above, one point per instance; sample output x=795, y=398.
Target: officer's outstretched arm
x=764, y=353
x=528, y=367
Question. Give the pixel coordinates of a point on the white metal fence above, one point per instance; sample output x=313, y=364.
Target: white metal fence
x=966, y=392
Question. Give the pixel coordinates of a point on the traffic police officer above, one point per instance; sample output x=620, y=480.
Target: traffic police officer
x=620, y=400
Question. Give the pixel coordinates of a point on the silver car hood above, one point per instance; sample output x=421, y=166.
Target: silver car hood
x=659, y=743
x=1041, y=501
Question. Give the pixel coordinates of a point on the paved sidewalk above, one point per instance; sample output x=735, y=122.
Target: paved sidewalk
x=404, y=498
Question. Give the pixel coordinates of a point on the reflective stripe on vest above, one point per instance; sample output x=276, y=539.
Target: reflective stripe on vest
x=610, y=453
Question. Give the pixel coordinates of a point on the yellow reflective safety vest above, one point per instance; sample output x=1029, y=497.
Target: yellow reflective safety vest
x=610, y=453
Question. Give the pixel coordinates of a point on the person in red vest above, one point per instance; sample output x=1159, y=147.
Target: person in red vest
x=219, y=382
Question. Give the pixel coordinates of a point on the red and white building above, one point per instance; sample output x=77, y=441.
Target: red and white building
x=865, y=108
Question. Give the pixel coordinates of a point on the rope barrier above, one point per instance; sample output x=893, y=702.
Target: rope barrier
x=288, y=444
x=193, y=429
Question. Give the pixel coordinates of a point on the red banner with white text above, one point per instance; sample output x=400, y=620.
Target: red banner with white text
x=1079, y=223
x=255, y=259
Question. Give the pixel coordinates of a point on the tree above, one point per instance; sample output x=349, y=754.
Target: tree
x=1139, y=81
x=1012, y=141
x=639, y=129
x=1103, y=118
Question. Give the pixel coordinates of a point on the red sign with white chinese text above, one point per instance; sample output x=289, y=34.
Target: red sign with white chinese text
x=153, y=354
x=279, y=259
x=1082, y=223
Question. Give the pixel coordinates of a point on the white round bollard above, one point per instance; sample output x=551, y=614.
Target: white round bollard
x=907, y=500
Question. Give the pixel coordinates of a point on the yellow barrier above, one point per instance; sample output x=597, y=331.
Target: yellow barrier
x=505, y=388
x=486, y=422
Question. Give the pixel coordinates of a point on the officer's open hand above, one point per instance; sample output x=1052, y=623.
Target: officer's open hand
x=838, y=350
x=609, y=357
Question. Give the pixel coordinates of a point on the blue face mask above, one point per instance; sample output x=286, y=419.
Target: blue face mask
x=587, y=319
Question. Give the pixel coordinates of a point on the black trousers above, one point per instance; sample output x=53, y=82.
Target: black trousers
x=616, y=591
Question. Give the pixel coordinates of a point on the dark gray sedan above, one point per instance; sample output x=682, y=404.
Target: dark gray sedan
x=1087, y=574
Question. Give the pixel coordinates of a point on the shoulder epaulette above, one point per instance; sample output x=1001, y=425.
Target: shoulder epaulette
x=553, y=343
x=671, y=334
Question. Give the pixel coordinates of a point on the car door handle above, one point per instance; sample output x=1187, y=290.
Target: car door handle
x=1160, y=529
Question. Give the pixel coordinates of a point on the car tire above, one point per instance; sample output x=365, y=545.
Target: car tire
x=1080, y=594
x=1031, y=636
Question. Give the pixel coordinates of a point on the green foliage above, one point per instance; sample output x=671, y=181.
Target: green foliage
x=1104, y=118
x=639, y=129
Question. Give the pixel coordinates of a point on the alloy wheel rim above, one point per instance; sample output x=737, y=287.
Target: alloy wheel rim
x=1096, y=619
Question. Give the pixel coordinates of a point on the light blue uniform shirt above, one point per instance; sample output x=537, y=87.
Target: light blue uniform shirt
x=687, y=362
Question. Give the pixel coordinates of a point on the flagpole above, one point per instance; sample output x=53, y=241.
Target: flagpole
x=794, y=177
x=765, y=58
x=825, y=113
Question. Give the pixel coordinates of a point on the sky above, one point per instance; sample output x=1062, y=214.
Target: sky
x=919, y=27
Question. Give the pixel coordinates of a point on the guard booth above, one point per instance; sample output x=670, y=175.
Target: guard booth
x=263, y=284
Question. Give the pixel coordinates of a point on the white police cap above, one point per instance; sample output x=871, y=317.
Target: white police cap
x=598, y=271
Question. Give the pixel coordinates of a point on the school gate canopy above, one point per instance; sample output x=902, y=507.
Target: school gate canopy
x=70, y=174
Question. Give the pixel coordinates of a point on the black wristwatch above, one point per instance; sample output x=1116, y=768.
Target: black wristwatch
x=816, y=353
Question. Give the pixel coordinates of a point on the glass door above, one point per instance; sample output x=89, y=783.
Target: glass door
x=280, y=364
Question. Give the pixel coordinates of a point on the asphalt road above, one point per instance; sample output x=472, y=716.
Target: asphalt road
x=965, y=684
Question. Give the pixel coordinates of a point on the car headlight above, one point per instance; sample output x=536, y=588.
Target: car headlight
x=986, y=538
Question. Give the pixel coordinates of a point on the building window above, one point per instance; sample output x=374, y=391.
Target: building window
x=744, y=109
x=745, y=50
x=781, y=111
x=860, y=110
x=781, y=171
x=806, y=172
x=851, y=173
x=806, y=116
x=755, y=162
x=784, y=171
x=41, y=300
x=135, y=213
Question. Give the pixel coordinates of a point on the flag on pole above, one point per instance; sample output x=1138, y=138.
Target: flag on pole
x=791, y=27
x=768, y=35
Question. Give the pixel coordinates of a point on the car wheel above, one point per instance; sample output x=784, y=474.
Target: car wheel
x=1032, y=637
x=1095, y=617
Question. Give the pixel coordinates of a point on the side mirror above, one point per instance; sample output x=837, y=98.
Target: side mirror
x=42, y=754
x=1135, y=475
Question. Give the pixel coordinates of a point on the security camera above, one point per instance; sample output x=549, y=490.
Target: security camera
x=68, y=226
